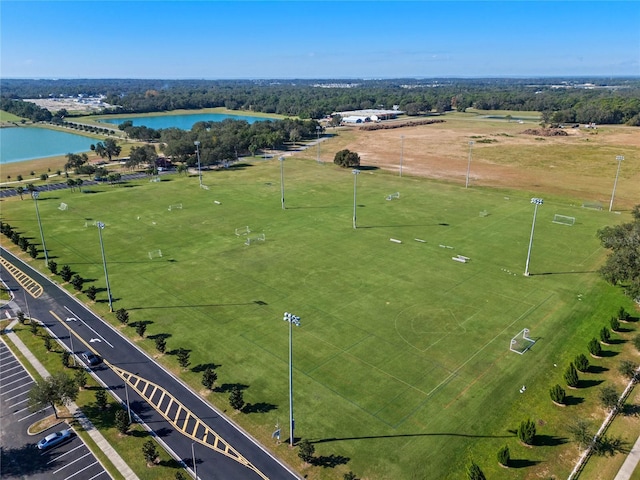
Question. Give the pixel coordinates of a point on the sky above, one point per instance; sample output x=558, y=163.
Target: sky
x=327, y=39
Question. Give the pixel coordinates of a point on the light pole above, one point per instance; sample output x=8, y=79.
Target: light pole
x=35, y=196
x=197, y=144
x=536, y=202
x=193, y=455
x=282, y=180
x=100, y=226
x=401, y=152
x=292, y=320
x=619, y=158
x=318, y=128
x=355, y=172
x=126, y=393
x=466, y=183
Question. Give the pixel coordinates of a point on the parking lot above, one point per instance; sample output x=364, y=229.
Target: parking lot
x=20, y=456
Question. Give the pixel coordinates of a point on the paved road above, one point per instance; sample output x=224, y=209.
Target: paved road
x=61, y=313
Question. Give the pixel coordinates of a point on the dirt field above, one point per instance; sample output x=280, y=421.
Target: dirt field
x=581, y=165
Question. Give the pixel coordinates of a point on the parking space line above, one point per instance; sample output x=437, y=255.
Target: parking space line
x=21, y=410
x=18, y=403
x=15, y=381
x=65, y=453
x=34, y=413
x=72, y=462
x=97, y=475
x=5, y=370
x=12, y=375
x=16, y=396
x=14, y=389
x=80, y=471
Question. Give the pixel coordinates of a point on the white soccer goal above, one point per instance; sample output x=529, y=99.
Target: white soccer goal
x=204, y=187
x=177, y=206
x=484, y=213
x=393, y=195
x=155, y=254
x=564, y=220
x=154, y=179
x=63, y=206
x=260, y=238
x=592, y=205
x=243, y=231
x=521, y=342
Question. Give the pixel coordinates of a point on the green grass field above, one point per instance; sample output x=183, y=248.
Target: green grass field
x=402, y=366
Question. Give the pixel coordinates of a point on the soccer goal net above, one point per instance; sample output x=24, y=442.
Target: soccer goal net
x=177, y=206
x=260, y=238
x=242, y=231
x=155, y=254
x=592, y=205
x=63, y=206
x=564, y=220
x=393, y=196
x=521, y=342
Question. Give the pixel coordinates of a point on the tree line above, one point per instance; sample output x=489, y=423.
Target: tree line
x=315, y=99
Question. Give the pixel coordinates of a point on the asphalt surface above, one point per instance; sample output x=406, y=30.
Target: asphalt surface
x=20, y=458
x=119, y=351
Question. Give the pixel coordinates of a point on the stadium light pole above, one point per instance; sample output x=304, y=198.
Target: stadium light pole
x=619, y=158
x=100, y=226
x=401, y=152
x=197, y=144
x=35, y=196
x=282, y=181
x=536, y=202
x=355, y=172
x=318, y=128
x=466, y=183
x=193, y=455
x=292, y=320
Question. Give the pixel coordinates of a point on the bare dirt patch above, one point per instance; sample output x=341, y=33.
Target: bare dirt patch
x=581, y=164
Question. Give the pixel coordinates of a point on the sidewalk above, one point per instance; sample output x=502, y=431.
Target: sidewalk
x=630, y=464
x=86, y=424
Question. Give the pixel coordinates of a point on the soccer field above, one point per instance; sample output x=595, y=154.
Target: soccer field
x=402, y=366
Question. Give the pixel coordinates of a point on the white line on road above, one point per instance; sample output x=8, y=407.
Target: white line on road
x=71, y=463
x=85, y=324
x=80, y=471
x=65, y=453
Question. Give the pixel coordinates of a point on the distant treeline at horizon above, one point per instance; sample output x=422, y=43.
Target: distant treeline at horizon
x=610, y=100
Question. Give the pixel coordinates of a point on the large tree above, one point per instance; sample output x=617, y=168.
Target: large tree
x=108, y=149
x=623, y=264
x=347, y=159
x=58, y=390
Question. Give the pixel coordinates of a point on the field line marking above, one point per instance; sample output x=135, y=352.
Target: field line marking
x=525, y=314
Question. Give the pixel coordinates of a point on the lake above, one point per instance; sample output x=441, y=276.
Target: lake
x=183, y=122
x=26, y=143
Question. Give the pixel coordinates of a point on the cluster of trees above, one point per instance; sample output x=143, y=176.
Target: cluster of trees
x=315, y=99
x=230, y=139
x=622, y=266
x=81, y=126
x=347, y=159
x=25, y=110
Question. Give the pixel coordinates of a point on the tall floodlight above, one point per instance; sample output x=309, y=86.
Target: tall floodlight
x=193, y=455
x=619, y=158
x=536, y=202
x=100, y=226
x=401, y=152
x=355, y=172
x=282, y=180
x=35, y=196
x=466, y=183
x=318, y=128
x=197, y=144
x=293, y=320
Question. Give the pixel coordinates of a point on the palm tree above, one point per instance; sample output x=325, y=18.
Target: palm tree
x=20, y=191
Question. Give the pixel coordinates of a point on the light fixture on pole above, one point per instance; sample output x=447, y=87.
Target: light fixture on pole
x=619, y=158
x=401, y=152
x=466, y=183
x=197, y=144
x=355, y=172
x=193, y=455
x=536, y=202
x=100, y=226
x=318, y=128
x=282, y=180
x=292, y=320
x=35, y=196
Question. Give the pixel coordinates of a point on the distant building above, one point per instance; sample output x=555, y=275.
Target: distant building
x=368, y=115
